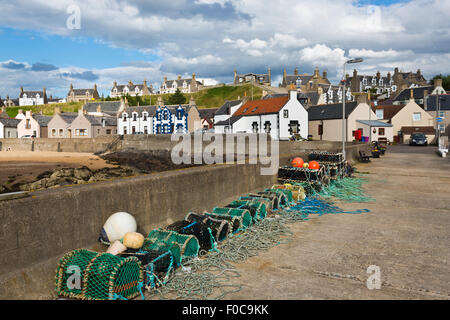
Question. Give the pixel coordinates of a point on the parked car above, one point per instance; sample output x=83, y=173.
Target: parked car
x=28, y=136
x=418, y=139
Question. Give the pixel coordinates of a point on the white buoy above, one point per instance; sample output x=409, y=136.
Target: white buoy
x=119, y=224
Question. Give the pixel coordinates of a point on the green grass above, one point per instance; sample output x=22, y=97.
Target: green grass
x=208, y=98
x=47, y=109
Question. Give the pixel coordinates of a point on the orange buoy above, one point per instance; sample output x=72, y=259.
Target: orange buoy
x=314, y=165
x=297, y=162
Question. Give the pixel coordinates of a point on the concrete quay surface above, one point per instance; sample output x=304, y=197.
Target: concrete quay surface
x=406, y=234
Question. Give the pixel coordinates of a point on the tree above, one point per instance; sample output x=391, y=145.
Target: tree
x=176, y=98
x=445, y=81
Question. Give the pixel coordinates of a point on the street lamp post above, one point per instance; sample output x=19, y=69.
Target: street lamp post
x=344, y=129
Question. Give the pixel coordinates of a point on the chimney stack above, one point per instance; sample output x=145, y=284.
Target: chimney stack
x=437, y=82
x=179, y=77
x=296, y=71
x=57, y=110
x=425, y=99
x=325, y=75
x=316, y=72
x=412, y=94
x=21, y=89
x=362, y=98
x=165, y=79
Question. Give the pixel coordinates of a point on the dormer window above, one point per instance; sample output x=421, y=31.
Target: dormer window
x=134, y=116
x=364, y=81
x=374, y=81
x=381, y=82
x=184, y=84
x=144, y=116
x=124, y=116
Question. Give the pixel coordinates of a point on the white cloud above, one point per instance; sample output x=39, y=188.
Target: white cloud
x=213, y=37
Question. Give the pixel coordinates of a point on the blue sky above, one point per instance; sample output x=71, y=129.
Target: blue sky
x=136, y=40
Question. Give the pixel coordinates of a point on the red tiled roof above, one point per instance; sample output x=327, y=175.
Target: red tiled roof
x=389, y=110
x=262, y=106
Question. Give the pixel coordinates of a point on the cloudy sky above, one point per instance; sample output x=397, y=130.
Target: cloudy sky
x=44, y=44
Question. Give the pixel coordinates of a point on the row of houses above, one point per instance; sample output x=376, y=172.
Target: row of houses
x=280, y=115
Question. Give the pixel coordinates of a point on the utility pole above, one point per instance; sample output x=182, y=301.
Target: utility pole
x=357, y=60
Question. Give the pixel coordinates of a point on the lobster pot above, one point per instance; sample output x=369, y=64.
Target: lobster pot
x=298, y=192
x=324, y=156
x=266, y=202
x=188, y=243
x=158, y=270
x=257, y=209
x=247, y=219
x=196, y=228
x=273, y=199
x=287, y=193
x=162, y=247
x=219, y=228
x=235, y=222
x=103, y=276
x=282, y=199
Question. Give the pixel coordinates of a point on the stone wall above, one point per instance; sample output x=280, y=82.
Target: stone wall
x=37, y=231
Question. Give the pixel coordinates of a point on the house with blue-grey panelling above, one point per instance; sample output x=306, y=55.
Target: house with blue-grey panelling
x=159, y=119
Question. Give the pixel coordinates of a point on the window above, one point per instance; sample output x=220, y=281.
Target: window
x=134, y=116
x=179, y=128
x=364, y=81
x=133, y=130
x=417, y=116
x=98, y=131
x=108, y=131
x=320, y=129
x=255, y=127
x=145, y=130
x=267, y=126
x=28, y=124
x=381, y=131
x=61, y=132
x=441, y=114
x=124, y=117
x=293, y=127
x=227, y=129
x=285, y=113
x=53, y=132
x=394, y=88
x=145, y=116
x=125, y=131
x=298, y=83
x=441, y=128
x=380, y=114
x=81, y=132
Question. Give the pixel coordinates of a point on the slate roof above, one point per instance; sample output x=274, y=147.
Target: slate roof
x=418, y=93
x=226, y=107
x=374, y=123
x=151, y=110
x=207, y=113
x=9, y=122
x=267, y=106
x=68, y=117
x=227, y=122
x=42, y=120
x=32, y=94
x=330, y=111
x=259, y=77
x=444, y=104
x=169, y=83
x=107, y=106
x=97, y=121
x=389, y=111
x=82, y=92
